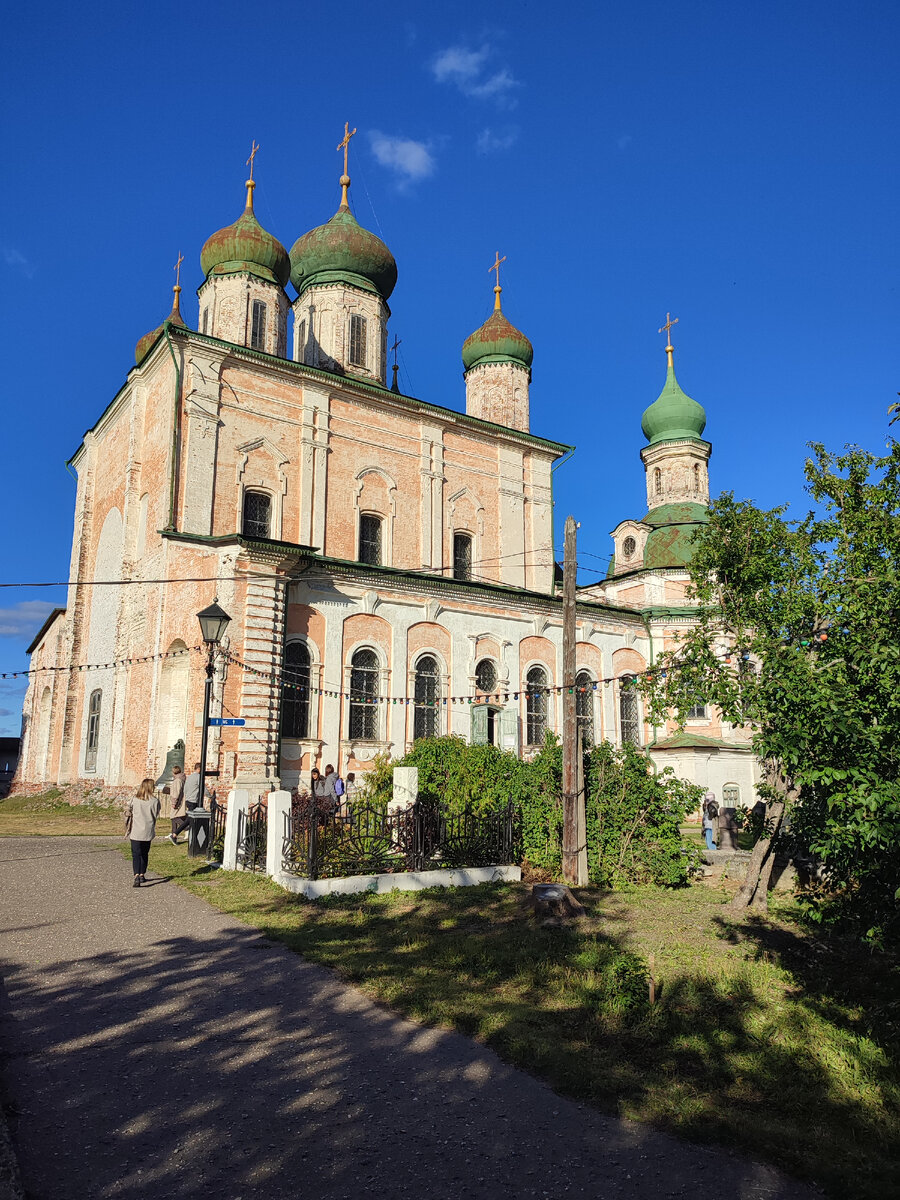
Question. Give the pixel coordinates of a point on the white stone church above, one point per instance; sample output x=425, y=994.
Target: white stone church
x=387, y=564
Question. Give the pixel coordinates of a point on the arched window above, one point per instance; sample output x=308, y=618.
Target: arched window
x=629, y=715
x=364, y=695
x=295, y=691
x=657, y=481
x=486, y=676
x=731, y=796
x=258, y=326
x=584, y=708
x=696, y=477
x=536, y=706
x=204, y=324
x=425, y=723
x=462, y=556
x=370, y=539
x=93, y=731
x=357, y=340
x=257, y=515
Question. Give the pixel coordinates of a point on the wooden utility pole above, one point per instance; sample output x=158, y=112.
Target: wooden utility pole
x=574, y=851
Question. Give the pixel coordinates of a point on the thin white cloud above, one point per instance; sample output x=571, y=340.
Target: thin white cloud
x=411, y=160
x=16, y=259
x=24, y=619
x=491, y=141
x=469, y=71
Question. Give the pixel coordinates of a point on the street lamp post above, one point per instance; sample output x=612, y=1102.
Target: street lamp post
x=213, y=623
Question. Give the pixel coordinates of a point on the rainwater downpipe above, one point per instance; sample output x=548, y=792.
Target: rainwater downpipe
x=170, y=527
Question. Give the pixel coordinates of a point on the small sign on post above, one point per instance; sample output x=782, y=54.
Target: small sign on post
x=227, y=721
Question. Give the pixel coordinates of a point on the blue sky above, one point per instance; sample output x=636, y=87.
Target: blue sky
x=735, y=165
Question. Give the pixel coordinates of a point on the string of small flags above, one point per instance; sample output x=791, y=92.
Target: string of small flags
x=118, y=662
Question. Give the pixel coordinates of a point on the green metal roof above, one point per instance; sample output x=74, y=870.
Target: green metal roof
x=673, y=414
x=341, y=250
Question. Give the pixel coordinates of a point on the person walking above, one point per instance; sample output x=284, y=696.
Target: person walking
x=176, y=795
x=140, y=826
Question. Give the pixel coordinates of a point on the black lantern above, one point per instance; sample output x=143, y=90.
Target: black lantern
x=213, y=622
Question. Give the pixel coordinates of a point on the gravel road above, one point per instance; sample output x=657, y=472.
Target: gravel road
x=153, y=1047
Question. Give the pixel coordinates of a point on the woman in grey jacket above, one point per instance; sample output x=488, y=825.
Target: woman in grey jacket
x=140, y=825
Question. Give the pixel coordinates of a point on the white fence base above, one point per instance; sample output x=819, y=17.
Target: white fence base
x=405, y=881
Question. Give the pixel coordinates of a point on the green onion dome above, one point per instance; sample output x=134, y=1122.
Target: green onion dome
x=497, y=341
x=673, y=415
x=174, y=318
x=245, y=246
x=341, y=251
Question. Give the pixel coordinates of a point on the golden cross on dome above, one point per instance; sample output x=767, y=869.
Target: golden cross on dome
x=495, y=266
x=345, y=178
x=254, y=148
x=178, y=270
x=667, y=329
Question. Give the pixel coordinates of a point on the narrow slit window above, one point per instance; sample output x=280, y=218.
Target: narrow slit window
x=657, y=481
x=204, y=325
x=364, y=695
x=357, y=340
x=295, y=691
x=370, y=539
x=258, y=326
x=93, y=731
x=425, y=723
x=301, y=342
x=462, y=556
x=257, y=515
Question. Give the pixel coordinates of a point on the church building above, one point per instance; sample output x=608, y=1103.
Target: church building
x=387, y=564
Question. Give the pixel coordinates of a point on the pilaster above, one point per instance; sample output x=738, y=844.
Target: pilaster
x=201, y=429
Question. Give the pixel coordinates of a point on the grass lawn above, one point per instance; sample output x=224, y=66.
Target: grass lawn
x=763, y=1037
x=47, y=814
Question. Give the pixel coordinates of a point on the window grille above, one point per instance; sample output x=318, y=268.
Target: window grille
x=731, y=796
x=657, y=481
x=370, y=539
x=462, y=556
x=425, y=723
x=696, y=477
x=257, y=514
x=357, y=340
x=697, y=712
x=93, y=731
x=363, y=695
x=628, y=547
x=295, y=700
x=486, y=676
x=629, y=716
x=258, y=326
x=536, y=706
x=584, y=708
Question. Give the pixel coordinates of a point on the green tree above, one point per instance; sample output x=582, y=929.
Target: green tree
x=796, y=637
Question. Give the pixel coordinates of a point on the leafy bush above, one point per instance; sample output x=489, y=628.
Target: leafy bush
x=633, y=815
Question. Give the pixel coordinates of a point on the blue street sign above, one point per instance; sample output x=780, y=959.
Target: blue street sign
x=227, y=721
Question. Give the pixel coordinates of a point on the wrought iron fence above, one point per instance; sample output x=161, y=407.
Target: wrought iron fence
x=217, y=816
x=365, y=840
x=253, y=829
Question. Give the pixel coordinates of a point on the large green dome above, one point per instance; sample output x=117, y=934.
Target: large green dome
x=174, y=318
x=673, y=415
x=497, y=341
x=246, y=246
x=341, y=251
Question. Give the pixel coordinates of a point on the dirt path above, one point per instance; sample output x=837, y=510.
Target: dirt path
x=155, y=1048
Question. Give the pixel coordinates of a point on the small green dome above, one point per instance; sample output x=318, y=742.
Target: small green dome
x=673, y=414
x=341, y=251
x=497, y=341
x=174, y=318
x=245, y=246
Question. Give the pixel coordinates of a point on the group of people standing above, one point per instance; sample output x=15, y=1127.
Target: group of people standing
x=330, y=792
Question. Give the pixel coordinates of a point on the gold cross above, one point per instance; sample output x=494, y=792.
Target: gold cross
x=178, y=269
x=253, y=149
x=345, y=142
x=495, y=266
x=667, y=328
